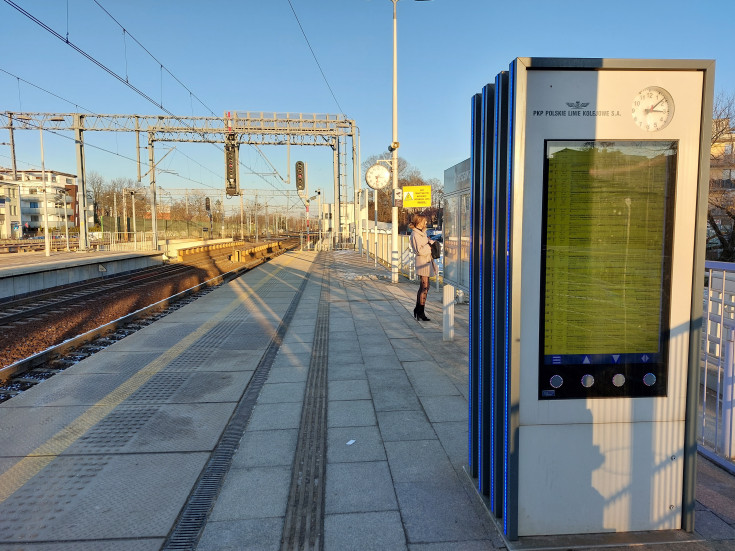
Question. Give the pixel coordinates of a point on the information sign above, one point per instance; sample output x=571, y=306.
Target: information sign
x=416, y=196
x=606, y=261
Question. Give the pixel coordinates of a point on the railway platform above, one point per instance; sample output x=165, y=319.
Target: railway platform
x=299, y=406
x=22, y=274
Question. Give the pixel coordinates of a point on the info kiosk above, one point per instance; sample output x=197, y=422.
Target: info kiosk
x=589, y=186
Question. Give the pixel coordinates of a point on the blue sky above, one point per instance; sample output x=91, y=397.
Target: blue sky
x=251, y=55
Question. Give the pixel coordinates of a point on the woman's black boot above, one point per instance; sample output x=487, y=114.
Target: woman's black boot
x=420, y=315
x=415, y=312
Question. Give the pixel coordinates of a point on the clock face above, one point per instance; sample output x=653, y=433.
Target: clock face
x=653, y=108
x=377, y=176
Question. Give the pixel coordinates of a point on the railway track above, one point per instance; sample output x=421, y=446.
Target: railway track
x=51, y=332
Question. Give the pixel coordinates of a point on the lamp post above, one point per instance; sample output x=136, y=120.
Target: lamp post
x=47, y=241
x=394, y=151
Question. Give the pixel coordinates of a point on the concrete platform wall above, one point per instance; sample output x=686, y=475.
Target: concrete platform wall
x=24, y=282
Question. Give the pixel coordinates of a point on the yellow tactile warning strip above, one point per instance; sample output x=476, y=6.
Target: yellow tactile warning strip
x=19, y=474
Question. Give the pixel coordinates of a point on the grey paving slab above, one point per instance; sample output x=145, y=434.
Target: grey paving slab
x=215, y=386
x=92, y=497
x=159, y=336
x=69, y=390
x=353, y=444
x=380, y=531
x=454, y=438
x=340, y=324
x=373, y=341
x=715, y=490
x=349, y=389
x=391, y=390
x=345, y=354
x=381, y=359
x=353, y=413
x=404, y=425
x=296, y=347
x=359, y=488
x=15, y=438
x=263, y=534
x=291, y=359
x=275, y=416
x=282, y=392
x=340, y=372
x=266, y=448
x=428, y=381
x=211, y=359
x=125, y=362
x=253, y=493
x=445, y=408
x=712, y=527
x=419, y=460
x=438, y=512
x=410, y=350
x=156, y=428
x=133, y=544
x=295, y=374
x=477, y=545
x=343, y=338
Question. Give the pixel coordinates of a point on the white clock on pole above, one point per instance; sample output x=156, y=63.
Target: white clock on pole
x=377, y=176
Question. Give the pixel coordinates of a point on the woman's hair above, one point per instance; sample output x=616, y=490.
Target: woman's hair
x=417, y=218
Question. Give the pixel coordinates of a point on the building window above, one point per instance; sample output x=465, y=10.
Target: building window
x=34, y=205
x=34, y=218
x=68, y=181
x=32, y=191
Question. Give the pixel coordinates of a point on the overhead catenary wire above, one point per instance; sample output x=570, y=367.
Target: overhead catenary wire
x=315, y=59
x=114, y=74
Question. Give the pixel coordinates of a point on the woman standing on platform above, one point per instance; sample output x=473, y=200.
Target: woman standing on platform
x=425, y=268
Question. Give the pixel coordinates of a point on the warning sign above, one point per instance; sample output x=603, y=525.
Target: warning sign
x=416, y=196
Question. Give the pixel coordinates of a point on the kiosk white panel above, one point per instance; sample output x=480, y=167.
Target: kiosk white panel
x=609, y=454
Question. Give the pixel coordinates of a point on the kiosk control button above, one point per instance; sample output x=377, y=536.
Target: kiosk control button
x=556, y=381
x=588, y=381
x=619, y=380
x=649, y=379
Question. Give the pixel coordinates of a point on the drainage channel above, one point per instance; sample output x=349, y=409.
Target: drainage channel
x=188, y=529
x=303, y=525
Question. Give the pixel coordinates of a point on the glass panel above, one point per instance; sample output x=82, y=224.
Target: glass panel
x=450, y=235
x=465, y=234
x=608, y=209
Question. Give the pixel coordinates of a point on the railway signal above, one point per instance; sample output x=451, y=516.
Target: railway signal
x=300, y=175
x=232, y=162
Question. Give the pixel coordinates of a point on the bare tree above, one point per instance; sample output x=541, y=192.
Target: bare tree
x=721, y=212
x=95, y=183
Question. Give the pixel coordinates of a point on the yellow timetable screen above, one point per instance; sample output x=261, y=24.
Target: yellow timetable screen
x=605, y=266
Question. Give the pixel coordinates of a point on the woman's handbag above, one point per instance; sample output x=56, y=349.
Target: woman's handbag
x=436, y=249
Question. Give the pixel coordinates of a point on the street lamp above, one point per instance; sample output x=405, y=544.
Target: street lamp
x=393, y=148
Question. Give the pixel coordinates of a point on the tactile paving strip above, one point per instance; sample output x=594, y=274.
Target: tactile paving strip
x=303, y=525
x=115, y=430
x=32, y=510
x=191, y=360
x=159, y=388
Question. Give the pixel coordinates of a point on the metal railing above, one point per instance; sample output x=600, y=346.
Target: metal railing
x=378, y=245
x=717, y=400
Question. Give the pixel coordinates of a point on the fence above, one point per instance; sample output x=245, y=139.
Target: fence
x=717, y=402
x=378, y=243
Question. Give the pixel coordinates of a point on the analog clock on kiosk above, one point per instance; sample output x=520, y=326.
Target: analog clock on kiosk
x=653, y=108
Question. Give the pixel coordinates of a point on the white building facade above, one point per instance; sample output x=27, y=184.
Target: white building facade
x=25, y=202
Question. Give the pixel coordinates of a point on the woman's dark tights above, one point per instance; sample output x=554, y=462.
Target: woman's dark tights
x=423, y=290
